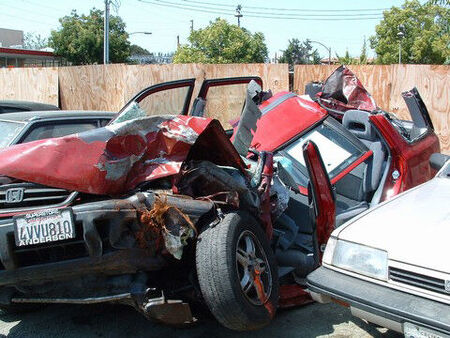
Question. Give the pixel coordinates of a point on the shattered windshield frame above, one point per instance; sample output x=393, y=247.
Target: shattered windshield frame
x=9, y=130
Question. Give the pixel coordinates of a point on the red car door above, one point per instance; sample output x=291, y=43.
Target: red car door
x=320, y=194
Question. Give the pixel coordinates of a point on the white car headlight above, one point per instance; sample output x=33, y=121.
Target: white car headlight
x=357, y=258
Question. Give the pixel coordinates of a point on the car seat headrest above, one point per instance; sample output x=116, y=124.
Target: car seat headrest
x=358, y=123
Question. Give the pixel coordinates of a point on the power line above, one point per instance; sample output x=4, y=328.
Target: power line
x=291, y=9
x=256, y=14
x=18, y=17
x=28, y=11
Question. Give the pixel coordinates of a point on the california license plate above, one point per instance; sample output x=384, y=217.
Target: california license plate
x=415, y=331
x=44, y=226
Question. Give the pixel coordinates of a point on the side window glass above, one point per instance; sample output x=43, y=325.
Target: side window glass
x=58, y=130
x=337, y=152
x=164, y=102
x=225, y=103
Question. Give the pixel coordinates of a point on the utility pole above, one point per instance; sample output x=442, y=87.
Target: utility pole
x=178, y=41
x=400, y=34
x=106, y=34
x=238, y=14
x=192, y=25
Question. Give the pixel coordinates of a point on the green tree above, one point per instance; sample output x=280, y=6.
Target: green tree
x=80, y=38
x=34, y=41
x=426, y=33
x=363, y=56
x=138, y=50
x=299, y=53
x=221, y=42
x=347, y=59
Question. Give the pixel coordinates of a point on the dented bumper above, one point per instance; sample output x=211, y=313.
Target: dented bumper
x=105, y=242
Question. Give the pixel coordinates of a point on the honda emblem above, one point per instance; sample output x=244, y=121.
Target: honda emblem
x=14, y=195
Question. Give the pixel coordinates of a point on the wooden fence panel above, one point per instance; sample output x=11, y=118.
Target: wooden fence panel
x=94, y=87
x=387, y=82
x=110, y=87
x=433, y=83
x=29, y=84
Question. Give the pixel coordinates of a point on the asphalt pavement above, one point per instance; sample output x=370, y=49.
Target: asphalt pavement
x=314, y=320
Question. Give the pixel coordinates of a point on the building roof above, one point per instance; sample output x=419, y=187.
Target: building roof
x=16, y=52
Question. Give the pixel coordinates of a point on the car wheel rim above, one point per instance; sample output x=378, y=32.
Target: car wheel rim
x=253, y=269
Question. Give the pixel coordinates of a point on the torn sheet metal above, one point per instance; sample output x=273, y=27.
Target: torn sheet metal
x=168, y=222
x=115, y=159
x=343, y=91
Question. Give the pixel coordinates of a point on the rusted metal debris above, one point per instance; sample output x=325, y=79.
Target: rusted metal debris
x=167, y=222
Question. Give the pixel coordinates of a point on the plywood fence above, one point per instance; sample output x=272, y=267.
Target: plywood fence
x=387, y=82
x=29, y=84
x=109, y=87
x=100, y=87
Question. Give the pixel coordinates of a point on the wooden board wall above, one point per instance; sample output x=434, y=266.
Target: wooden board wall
x=387, y=82
x=29, y=84
x=130, y=79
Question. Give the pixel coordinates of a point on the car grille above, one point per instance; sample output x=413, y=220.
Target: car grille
x=24, y=196
x=417, y=280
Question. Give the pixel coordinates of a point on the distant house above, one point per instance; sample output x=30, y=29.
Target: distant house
x=12, y=53
x=16, y=57
x=159, y=58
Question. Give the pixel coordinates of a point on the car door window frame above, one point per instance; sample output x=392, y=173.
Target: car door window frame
x=37, y=124
x=330, y=122
x=189, y=83
x=199, y=103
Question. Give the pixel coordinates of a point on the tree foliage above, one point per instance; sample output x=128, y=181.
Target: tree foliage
x=34, y=41
x=426, y=29
x=300, y=53
x=138, y=50
x=80, y=38
x=221, y=42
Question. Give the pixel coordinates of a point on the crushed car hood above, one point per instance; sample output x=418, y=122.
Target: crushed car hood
x=115, y=159
x=343, y=91
x=414, y=228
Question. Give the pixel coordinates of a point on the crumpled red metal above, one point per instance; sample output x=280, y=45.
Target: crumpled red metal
x=343, y=91
x=117, y=158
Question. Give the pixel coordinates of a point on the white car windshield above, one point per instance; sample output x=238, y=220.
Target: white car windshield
x=336, y=150
x=8, y=131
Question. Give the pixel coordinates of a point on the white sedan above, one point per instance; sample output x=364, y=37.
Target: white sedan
x=391, y=265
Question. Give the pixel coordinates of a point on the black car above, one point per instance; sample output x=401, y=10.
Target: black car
x=11, y=106
x=25, y=127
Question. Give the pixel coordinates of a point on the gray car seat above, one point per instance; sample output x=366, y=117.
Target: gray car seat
x=358, y=123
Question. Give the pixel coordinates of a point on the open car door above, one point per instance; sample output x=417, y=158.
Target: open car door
x=167, y=98
x=320, y=194
x=222, y=98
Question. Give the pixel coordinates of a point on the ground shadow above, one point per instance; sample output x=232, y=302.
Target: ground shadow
x=120, y=321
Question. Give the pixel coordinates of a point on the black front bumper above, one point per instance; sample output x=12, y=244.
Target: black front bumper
x=381, y=301
x=105, y=243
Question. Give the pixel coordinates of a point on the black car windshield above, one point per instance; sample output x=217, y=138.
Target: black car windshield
x=8, y=131
x=337, y=151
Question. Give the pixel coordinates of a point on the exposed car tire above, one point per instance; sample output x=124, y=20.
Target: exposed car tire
x=239, y=283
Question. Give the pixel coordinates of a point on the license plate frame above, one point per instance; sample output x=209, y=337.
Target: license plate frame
x=417, y=331
x=44, y=226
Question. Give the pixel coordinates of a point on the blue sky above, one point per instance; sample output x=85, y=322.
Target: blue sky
x=165, y=23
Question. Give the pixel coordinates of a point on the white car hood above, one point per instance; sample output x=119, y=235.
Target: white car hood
x=413, y=228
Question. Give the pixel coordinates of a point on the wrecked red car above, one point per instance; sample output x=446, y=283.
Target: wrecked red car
x=162, y=212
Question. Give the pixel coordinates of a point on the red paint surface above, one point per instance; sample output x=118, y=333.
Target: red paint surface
x=410, y=159
x=285, y=121
x=323, y=195
x=25, y=52
x=343, y=91
x=139, y=151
